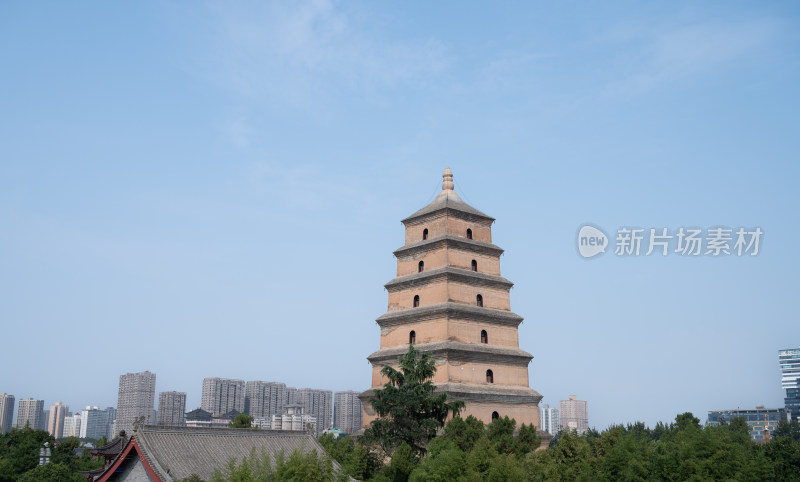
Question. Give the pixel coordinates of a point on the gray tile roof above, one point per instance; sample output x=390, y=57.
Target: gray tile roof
x=178, y=452
x=448, y=200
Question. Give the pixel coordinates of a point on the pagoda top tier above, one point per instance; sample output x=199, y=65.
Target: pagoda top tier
x=447, y=200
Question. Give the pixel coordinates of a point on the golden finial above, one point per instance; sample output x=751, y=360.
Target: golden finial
x=447, y=180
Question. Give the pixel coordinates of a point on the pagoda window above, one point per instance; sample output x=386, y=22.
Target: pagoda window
x=425, y=234
x=484, y=337
x=469, y=233
x=412, y=337
x=489, y=376
x=416, y=301
x=421, y=267
x=495, y=415
x=479, y=300
x=474, y=265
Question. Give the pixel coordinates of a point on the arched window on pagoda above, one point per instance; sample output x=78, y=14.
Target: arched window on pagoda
x=495, y=415
x=489, y=376
x=474, y=265
x=469, y=233
x=425, y=234
x=484, y=337
x=479, y=300
x=416, y=301
x=412, y=337
x=421, y=267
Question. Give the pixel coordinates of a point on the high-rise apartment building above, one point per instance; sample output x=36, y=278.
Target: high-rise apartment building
x=29, y=413
x=573, y=414
x=347, y=411
x=548, y=419
x=6, y=412
x=136, y=399
x=264, y=399
x=789, y=360
x=96, y=423
x=318, y=404
x=172, y=409
x=72, y=425
x=55, y=420
x=222, y=395
x=291, y=396
x=450, y=301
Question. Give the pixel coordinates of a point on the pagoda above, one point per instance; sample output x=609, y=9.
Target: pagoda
x=451, y=302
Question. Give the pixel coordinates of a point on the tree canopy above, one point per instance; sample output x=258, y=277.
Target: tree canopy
x=409, y=410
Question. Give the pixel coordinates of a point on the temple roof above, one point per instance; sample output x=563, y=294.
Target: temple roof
x=175, y=453
x=112, y=448
x=447, y=199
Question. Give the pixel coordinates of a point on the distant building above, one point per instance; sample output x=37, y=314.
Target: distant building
x=29, y=413
x=548, y=419
x=347, y=411
x=6, y=412
x=198, y=418
x=789, y=360
x=136, y=399
x=55, y=420
x=762, y=420
x=573, y=414
x=291, y=397
x=222, y=395
x=171, y=408
x=72, y=425
x=96, y=423
x=294, y=420
x=318, y=404
x=264, y=399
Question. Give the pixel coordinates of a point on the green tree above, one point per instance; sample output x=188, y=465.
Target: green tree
x=464, y=432
x=788, y=429
x=19, y=451
x=241, y=420
x=299, y=466
x=408, y=408
x=51, y=473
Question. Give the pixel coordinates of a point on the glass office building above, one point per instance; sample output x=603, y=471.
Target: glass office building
x=789, y=360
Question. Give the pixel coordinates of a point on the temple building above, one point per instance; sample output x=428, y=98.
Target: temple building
x=450, y=300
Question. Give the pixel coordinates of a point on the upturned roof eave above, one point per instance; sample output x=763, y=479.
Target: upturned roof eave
x=449, y=271
x=449, y=239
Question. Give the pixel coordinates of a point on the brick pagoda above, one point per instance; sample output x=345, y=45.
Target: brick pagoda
x=450, y=301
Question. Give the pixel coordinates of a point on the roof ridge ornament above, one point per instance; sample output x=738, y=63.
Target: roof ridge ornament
x=447, y=180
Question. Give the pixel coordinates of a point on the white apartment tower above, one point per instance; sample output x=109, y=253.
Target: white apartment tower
x=136, y=399
x=172, y=408
x=548, y=419
x=29, y=413
x=347, y=411
x=222, y=395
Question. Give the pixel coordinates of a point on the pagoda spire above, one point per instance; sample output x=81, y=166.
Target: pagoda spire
x=447, y=180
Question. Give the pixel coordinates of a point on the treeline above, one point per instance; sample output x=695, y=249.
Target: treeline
x=469, y=451
x=683, y=450
x=19, y=458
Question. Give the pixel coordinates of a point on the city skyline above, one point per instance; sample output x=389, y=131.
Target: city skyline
x=168, y=170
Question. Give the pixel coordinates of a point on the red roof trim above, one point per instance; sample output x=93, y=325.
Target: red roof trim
x=131, y=445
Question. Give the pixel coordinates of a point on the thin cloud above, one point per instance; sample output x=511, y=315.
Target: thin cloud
x=682, y=54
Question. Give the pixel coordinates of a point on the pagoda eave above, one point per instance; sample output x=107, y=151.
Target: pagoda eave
x=455, y=351
x=453, y=311
x=448, y=273
x=448, y=241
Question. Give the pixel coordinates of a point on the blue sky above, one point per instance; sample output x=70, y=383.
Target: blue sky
x=215, y=189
